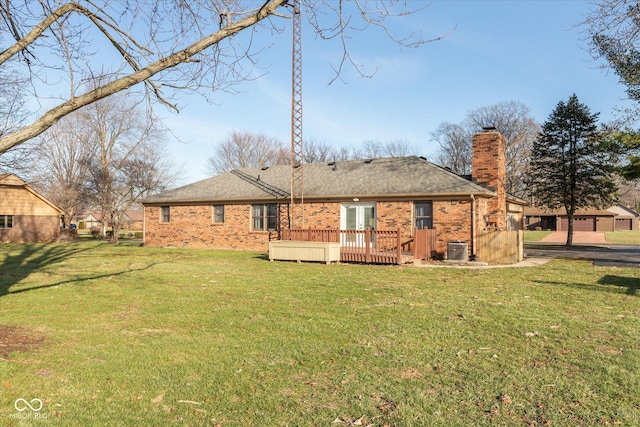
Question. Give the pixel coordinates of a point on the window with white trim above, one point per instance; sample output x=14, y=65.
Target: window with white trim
x=6, y=221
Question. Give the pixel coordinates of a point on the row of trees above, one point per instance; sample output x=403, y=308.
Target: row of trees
x=243, y=149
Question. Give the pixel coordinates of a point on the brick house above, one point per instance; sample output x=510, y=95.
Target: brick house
x=25, y=215
x=245, y=209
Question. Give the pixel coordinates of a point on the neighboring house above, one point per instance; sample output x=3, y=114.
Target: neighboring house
x=88, y=220
x=615, y=218
x=131, y=220
x=245, y=209
x=25, y=215
x=626, y=218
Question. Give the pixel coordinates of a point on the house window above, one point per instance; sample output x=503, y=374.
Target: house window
x=264, y=217
x=165, y=215
x=423, y=215
x=218, y=214
x=6, y=221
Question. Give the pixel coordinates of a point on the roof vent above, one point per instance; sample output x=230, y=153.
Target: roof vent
x=488, y=128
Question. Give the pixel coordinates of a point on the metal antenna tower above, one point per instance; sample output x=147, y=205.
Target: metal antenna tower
x=296, y=212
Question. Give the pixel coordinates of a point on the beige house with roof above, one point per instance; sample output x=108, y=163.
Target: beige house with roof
x=25, y=215
x=246, y=209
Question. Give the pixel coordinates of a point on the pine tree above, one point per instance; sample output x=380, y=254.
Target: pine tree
x=571, y=162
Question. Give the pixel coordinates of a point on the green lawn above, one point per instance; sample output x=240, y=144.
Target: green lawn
x=535, y=235
x=153, y=337
x=625, y=237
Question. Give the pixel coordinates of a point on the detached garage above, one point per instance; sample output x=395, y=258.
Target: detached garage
x=584, y=222
x=626, y=218
x=624, y=224
x=615, y=218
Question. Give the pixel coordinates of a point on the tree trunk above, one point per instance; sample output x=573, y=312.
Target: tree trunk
x=115, y=227
x=570, y=230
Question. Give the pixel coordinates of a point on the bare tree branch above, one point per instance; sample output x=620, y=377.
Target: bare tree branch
x=143, y=74
x=168, y=46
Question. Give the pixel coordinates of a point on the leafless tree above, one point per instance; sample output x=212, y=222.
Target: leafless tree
x=512, y=119
x=12, y=115
x=399, y=148
x=60, y=164
x=242, y=149
x=613, y=29
x=372, y=149
x=455, y=147
x=167, y=47
x=315, y=152
x=127, y=161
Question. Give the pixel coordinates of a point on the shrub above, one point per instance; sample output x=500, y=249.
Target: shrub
x=95, y=232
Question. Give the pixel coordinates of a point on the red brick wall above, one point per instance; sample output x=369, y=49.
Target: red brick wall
x=32, y=229
x=489, y=168
x=322, y=215
x=452, y=220
x=193, y=226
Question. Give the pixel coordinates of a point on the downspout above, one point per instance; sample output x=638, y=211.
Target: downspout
x=473, y=227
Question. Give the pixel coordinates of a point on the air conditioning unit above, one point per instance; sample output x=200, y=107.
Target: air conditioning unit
x=457, y=251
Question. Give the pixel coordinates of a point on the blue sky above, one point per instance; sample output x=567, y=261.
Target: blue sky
x=500, y=50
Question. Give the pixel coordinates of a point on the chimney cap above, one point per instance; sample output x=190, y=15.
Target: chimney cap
x=488, y=128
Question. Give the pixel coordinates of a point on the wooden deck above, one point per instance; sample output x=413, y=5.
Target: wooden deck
x=371, y=246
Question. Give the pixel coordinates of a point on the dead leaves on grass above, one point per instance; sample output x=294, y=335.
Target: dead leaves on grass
x=384, y=405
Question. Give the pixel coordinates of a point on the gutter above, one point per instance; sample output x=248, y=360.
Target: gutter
x=315, y=199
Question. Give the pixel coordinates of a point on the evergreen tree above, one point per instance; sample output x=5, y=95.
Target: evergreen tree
x=571, y=162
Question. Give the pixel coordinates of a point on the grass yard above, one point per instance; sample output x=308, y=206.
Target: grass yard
x=624, y=237
x=128, y=335
x=535, y=235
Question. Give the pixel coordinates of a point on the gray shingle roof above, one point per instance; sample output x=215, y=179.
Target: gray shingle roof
x=399, y=176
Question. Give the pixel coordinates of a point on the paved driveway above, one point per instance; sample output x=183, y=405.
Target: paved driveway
x=591, y=237
x=609, y=255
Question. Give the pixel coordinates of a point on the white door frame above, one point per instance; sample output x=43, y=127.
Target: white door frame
x=360, y=219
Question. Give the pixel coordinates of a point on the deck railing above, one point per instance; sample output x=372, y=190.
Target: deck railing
x=370, y=246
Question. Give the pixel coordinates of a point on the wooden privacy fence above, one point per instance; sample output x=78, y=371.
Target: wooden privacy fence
x=370, y=246
x=500, y=247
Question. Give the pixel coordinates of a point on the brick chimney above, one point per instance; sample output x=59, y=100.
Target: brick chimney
x=489, y=168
